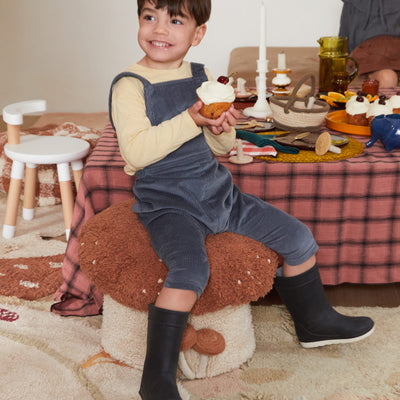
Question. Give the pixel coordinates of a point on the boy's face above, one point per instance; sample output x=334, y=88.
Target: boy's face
x=166, y=39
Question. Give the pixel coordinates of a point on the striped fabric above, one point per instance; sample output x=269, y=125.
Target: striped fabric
x=250, y=149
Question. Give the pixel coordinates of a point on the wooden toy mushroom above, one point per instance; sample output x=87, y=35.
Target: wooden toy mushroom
x=324, y=144
x=220, y=335
x=240, y=157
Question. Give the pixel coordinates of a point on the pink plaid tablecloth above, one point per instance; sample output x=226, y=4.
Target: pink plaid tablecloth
x=352, y=207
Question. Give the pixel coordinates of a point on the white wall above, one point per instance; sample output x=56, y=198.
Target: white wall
x=68, y=51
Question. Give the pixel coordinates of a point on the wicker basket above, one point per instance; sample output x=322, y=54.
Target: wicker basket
x=291, y=112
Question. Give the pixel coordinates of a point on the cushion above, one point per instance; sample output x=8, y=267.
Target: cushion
x=378, y=53
x=300, y=60
x=48, y=190
x=117, y=256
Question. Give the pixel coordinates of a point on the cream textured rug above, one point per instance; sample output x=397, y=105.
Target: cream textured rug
x=47, y=357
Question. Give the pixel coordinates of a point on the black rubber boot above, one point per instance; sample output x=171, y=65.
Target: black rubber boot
x=316, y=322
x=164, y=335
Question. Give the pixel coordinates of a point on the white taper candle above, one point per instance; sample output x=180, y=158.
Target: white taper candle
x=262, y=55
x=282, y=61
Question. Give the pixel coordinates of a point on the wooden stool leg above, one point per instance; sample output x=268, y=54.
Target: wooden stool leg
x=14, y=192
x=28, y=207
x=13, y=132
x=67, y=198
x=77, y=170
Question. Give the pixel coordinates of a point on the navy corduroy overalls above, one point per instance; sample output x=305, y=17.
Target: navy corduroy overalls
x=189, y=194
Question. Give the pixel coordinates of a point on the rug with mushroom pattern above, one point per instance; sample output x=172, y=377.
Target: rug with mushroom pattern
x=49, y=357
x=30, y=262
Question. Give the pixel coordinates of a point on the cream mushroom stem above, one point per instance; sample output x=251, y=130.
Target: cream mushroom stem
x=324, y=144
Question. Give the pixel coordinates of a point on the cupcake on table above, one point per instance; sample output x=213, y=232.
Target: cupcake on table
x=394, y=102
x=356, y=110
x=380, y=106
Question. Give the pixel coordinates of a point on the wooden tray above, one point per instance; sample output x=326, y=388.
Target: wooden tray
x=336, y=120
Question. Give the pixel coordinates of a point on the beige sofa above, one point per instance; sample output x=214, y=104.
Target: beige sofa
x=301, y=61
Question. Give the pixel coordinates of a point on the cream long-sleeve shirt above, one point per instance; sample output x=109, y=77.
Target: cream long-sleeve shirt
x=142, y=144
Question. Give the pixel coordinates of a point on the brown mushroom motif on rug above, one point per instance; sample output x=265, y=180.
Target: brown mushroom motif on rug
x=30, y=278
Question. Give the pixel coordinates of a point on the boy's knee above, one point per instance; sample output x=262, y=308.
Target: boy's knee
x=195, y=285
x=192, y=276
x=301, y=233
x=387, y=78
x=301, y=245
x=200, y=279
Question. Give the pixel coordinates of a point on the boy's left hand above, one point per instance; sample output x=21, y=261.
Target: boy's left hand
x=223, y=123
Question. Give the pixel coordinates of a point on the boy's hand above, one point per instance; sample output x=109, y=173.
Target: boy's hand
x=223, y=123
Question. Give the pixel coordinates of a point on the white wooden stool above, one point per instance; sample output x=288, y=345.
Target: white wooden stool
x=27, y=152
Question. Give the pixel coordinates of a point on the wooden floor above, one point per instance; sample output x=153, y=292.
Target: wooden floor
x=351, y=295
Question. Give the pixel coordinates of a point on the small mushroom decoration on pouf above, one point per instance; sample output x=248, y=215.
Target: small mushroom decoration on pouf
x=117, y=256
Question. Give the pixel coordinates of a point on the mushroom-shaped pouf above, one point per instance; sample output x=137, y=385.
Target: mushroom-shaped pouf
x=117, y=256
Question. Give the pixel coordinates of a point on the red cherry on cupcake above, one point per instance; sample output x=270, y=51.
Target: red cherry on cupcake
x=223, y=79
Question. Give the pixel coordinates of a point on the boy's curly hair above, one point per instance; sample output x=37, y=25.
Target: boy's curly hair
x=198, y=9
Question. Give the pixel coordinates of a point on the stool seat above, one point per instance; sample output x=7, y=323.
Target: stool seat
x=116, y=254
x=47, y=149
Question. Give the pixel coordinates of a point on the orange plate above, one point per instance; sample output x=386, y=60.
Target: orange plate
x=336, y=120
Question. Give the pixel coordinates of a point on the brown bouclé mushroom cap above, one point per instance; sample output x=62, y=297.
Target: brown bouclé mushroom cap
x=117, y=256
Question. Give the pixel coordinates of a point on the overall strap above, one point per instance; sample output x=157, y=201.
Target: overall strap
x=198, y=71
x=115, y=80
x=198, y=74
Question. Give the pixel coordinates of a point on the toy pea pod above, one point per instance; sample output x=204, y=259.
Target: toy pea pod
x=386, y=128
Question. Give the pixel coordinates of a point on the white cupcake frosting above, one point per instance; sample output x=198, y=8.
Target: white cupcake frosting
x=378, y=109
x=353, y=99
x=357, y=107
x=215, y=92
x=394, y=101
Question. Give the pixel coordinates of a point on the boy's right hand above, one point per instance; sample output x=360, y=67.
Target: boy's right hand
x=223, y=123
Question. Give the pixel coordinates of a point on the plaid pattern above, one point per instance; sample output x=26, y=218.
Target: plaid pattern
x=352, y=207
x=103, y=183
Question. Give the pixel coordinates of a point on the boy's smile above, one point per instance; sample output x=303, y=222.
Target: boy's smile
x=160, y=44
x=166, y=39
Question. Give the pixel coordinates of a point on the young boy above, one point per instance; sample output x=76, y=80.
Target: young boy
x=183, y=194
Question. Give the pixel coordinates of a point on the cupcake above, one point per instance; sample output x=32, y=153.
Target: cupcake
x=394, y=102
x=216, y=97
x=378, y=107
x=357, y=98
x=356, y=111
